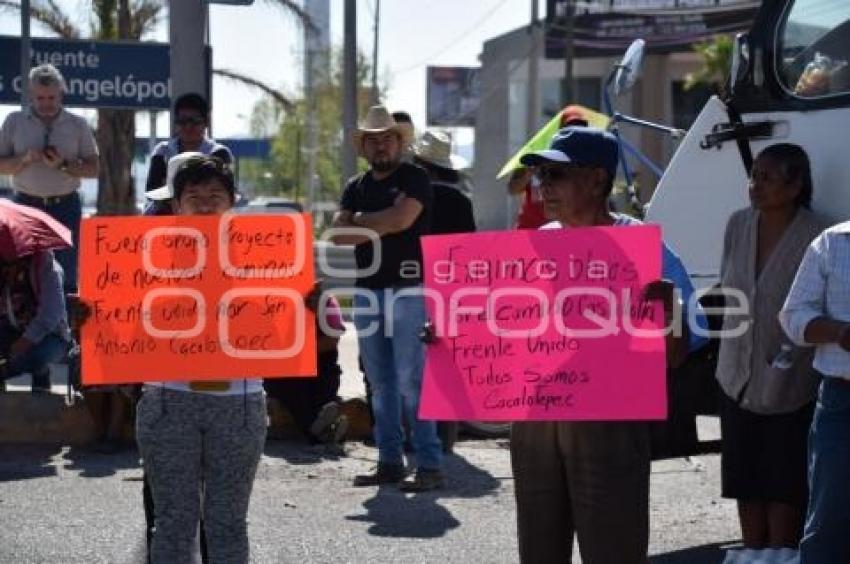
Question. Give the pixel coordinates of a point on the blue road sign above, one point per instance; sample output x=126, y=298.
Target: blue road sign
x=99, y=74
x=241, y=147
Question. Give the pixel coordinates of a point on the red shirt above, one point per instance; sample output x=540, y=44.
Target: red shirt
x=530, y=214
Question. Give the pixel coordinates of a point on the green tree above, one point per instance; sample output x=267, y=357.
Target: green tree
x=288, y=160
x=716, y=63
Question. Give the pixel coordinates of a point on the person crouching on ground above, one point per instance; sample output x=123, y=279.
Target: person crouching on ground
x=314, y=403
x=34, y=328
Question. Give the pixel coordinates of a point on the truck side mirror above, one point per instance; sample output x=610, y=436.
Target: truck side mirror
x=628, y=70
x=740, y=61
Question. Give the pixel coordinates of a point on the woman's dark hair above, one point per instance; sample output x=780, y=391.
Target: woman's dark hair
x=200, y=170
x=438, y=173
x=193, y=101
x=795, y=167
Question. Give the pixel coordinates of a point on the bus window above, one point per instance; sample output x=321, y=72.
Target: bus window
x=814, y=48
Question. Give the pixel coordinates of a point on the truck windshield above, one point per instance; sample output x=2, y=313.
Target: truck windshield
x=814, y=48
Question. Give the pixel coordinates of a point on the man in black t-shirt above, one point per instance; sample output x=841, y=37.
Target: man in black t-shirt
x=391, y=205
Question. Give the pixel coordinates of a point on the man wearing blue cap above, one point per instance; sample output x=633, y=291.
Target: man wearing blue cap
x=589, y=478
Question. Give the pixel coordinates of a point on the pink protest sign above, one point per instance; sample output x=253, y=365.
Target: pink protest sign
x=544, y=325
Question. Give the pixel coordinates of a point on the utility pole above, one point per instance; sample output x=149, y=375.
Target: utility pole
x=349, y=90
x=152, y=133
x=25, y=51
x=309, y=148
x=375, y=94
x=316, y=47
x=187, y=33
x=533, y=113
x=567, y=91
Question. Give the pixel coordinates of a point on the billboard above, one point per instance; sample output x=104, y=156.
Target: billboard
x=665, y=25
x=453, y=95
x=99, y=74
x=557, y=8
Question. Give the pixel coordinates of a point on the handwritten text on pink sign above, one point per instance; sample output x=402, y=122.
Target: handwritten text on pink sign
x=544, y=325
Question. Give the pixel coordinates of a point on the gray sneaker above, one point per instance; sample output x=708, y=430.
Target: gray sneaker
x=423, y=481
x=325, y=419
x=338, y=430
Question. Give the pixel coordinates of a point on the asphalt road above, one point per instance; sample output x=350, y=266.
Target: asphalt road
x=68, y=505
x=61, y=505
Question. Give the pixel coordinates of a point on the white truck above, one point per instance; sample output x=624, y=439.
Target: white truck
x=790, y=83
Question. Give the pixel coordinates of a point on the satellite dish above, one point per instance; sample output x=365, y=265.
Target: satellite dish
x=628, y=70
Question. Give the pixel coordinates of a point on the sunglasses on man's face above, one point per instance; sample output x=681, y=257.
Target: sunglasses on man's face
x=189, y=120
x=552, y=174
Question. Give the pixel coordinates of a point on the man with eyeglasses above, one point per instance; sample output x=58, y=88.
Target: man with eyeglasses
x=47, y=150
x=191, y=117
x=590, y=478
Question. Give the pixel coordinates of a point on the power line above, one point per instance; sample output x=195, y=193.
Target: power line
x=452, y=43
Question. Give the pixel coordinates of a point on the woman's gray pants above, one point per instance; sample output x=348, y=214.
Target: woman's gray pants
x=200, y=448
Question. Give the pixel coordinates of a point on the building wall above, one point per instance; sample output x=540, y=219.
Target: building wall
x=490, y=200
x=501, y=122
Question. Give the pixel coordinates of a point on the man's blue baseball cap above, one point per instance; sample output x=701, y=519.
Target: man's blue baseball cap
x=582, y=146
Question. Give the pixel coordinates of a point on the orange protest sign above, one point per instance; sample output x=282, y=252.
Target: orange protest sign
x=189, y=298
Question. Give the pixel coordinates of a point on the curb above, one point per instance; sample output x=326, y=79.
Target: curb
x=47, y=419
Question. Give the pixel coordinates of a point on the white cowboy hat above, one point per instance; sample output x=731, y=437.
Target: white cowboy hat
x=378, y=120
x=435, y=147
x=175, y=163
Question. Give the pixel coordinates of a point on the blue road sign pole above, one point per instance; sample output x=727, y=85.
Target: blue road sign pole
x=25, y=51
x=187, y=21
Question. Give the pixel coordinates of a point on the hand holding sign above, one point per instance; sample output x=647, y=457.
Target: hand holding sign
x=197, y=298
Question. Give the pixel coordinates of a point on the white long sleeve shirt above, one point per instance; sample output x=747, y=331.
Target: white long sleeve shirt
x=822, y=289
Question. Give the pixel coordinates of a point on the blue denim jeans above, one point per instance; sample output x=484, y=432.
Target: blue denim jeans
x=394, y=359
x=35, y=360
x=68, y=212
x=826, y=537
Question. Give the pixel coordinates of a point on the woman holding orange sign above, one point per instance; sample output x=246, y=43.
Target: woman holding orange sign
x=201, y=441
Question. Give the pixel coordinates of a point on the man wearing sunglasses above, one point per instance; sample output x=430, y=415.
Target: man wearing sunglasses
x=191, y=117
x=590, y=478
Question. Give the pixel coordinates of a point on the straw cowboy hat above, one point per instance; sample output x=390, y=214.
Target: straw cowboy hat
x=435, y=147
x=378, y=120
